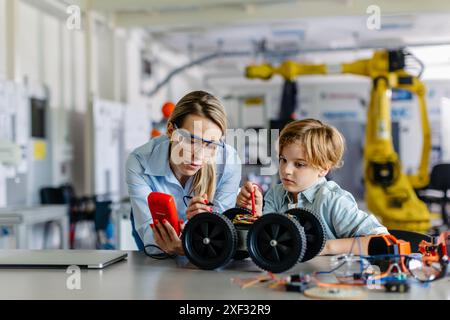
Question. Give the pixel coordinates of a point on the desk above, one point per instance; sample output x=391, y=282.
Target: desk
x=23, y=219
x=144, y=278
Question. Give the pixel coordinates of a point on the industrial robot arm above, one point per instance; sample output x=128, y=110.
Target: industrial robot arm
x=389, y=191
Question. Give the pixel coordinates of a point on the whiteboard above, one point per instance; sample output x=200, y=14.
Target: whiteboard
x=108, y=117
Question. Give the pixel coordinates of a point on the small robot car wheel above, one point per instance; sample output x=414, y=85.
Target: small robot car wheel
x=276, y=242
x=314, y=230
x=209, y=240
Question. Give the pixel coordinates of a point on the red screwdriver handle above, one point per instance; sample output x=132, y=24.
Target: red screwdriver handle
x=253, y=203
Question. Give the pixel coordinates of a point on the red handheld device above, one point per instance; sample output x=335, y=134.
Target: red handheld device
x=162, y=206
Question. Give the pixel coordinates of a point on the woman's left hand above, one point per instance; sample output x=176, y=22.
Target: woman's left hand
x=198, y=205
x=166, y=237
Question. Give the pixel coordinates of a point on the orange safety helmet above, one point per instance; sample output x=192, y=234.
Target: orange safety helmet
x=167, y=109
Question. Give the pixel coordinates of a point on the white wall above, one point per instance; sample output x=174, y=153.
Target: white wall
x=29, y=32
x=164, y=61
x=104, y=41
x=79, y=72
x=50, y=55
x=77, y=121
x=2, y=39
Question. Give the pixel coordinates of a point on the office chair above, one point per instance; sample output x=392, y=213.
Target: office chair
x=51, y=195
x=53, y=234
x=440, y=181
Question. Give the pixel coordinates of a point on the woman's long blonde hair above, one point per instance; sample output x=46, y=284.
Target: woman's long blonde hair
x=205, y=105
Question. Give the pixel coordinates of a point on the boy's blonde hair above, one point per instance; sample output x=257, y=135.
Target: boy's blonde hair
x=322, y=144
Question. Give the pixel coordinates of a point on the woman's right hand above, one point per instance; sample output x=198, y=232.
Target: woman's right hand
x=198, y=205
x=166, y=237
x=244, y=199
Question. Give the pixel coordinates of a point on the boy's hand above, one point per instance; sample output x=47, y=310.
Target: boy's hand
x=198, y=205
x=244, y=199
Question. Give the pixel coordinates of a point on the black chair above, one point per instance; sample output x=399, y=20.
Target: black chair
x=68, y=193
x=102, y=214
x=414, y=238
x=51, y=195
x=440, y=181
x=102, y=219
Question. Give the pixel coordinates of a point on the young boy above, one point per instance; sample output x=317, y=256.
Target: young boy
x=308, y=150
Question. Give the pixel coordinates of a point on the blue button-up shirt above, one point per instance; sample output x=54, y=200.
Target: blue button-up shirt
x=148, y=170
x=336, y=207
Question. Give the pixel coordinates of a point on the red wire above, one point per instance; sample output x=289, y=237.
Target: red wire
x=253, y=203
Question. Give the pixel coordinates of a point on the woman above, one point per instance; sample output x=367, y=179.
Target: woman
x=190, y=161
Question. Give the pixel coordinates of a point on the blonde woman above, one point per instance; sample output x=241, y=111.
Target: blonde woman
x=308, y=150
x=191, y=162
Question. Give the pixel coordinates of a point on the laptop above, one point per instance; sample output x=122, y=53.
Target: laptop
x=91, y=259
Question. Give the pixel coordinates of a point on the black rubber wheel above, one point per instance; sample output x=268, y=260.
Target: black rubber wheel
x=314, y=230
x=209, y=240
x=231, y=213
x=276, y=242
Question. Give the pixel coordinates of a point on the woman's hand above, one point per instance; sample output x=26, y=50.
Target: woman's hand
x=166, y=237
x=198, y=205
x=244, y=199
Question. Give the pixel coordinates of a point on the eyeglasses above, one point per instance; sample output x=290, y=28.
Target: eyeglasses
x=197, y=143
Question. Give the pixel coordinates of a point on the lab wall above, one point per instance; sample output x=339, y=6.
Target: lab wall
x=14, y=145
x=139, y=89
x=2, y=39
x=53, y=63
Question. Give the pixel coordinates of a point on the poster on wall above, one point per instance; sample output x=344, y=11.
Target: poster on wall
x=343, y=102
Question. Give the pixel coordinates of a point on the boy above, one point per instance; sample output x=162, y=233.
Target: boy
x=308, y=150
